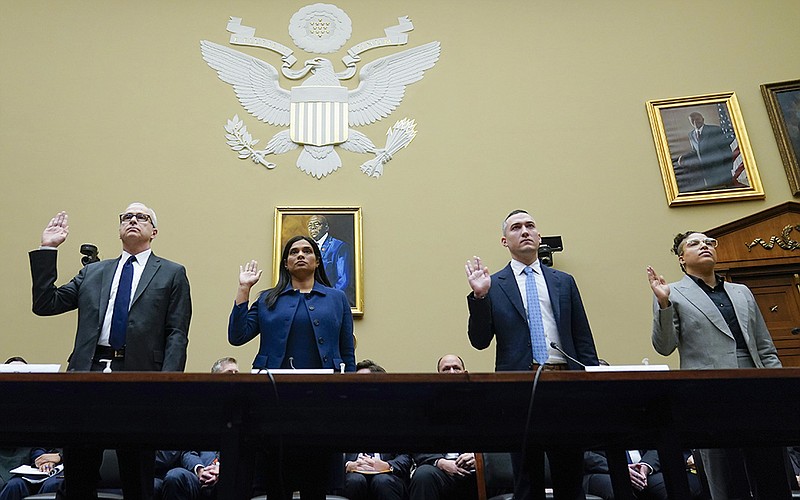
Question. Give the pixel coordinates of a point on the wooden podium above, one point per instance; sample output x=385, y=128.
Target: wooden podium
x=236, y=414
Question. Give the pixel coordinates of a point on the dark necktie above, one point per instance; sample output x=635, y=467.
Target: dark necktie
x=119, y=320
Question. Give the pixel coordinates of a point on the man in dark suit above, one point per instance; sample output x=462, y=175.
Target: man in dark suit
x=644, y=468
x=376, y=476
x=529, y=308
x=711, y=155
x=445, y=476
x=133, y=310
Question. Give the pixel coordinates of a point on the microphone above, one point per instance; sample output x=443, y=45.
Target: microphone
x=559, y=349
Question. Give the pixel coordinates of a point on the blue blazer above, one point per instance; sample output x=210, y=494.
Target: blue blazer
x=330, y=317
x=501, y=315
x=336, y=258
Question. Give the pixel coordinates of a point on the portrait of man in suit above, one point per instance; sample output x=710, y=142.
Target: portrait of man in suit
x=337, y=256
x=133, y=310
x=536, y=316
x=711, y=157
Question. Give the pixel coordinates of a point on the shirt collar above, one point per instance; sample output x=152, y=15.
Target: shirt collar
x=318, y=289
x=519, y=268
x=141, y=257
x=702, y=284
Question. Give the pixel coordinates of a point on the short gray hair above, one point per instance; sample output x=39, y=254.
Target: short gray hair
x=218, y=364
x=150, y=212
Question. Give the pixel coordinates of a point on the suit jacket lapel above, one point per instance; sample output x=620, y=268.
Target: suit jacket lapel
x=740, y=307
x=508, y=283
x=105, y=286
x=153, y=263
x=698, y=298
x=554, y=291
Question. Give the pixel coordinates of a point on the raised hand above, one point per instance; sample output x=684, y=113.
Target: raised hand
x=56, y=231
x=659, y=286
x=479, y=278
x=249, y=274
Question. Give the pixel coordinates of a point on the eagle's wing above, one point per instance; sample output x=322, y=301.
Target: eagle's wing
x=357, y=143
x=254, y=81
x=384, y=81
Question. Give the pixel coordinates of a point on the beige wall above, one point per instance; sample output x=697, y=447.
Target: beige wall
x=534, y=104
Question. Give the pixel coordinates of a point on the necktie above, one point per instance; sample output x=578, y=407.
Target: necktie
x=119, y=319
x=538, y=339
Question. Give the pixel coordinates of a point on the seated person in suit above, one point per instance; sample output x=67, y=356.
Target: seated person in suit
x=376, y=476
x=644, y=468
x=225, y=365
x=195, y=477
x=445, y=475
x=794, y=458
x=17, y=487
x=14, y=487
x=190, y=475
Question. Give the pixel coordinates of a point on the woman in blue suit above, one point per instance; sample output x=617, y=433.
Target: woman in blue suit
x=303, y=323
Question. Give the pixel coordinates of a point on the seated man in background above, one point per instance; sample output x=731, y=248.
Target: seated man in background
x=194, y=478
x=225, y=365
x=445, y=475
x=376, y=476
x=794, y=458
x=644, y=467
x=14, y=487
x=17, y=487
x=189, y=475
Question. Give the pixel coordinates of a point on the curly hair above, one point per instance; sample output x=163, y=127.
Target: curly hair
x=678, y=241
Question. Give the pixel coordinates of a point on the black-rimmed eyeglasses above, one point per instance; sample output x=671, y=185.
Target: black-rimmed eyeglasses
x=126, y=217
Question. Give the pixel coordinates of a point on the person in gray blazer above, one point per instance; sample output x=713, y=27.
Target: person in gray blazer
x=715, y=324
x=133, y=310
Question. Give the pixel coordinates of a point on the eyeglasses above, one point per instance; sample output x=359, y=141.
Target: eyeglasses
x=126, y=217
x=694, y=242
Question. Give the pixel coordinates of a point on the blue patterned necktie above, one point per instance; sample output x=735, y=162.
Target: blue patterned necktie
x=538, y=339
x=119, y=320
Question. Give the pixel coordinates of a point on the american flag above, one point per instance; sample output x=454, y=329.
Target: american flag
x=739, y=175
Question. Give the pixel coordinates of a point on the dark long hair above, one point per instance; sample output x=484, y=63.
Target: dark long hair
x=284, y=278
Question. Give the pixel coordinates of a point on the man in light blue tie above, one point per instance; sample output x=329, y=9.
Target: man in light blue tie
x=537, y=317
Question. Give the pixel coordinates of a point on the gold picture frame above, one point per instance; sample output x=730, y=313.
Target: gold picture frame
x=783, y=107
x=342, y=251
x=715, y=164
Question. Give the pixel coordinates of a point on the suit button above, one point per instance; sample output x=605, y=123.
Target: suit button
x=325, y=359
x=316, y=322
x=310, y=308
x=321, y=340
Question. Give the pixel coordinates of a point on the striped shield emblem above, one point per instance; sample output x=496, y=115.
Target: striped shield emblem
x=318, y=115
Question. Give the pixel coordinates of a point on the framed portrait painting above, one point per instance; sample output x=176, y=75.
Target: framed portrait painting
x=703, y=149
x=783, y=106
x=337, y=231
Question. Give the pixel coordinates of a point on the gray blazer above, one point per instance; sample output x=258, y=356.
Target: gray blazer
x=158, y=321
x=694, y=325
